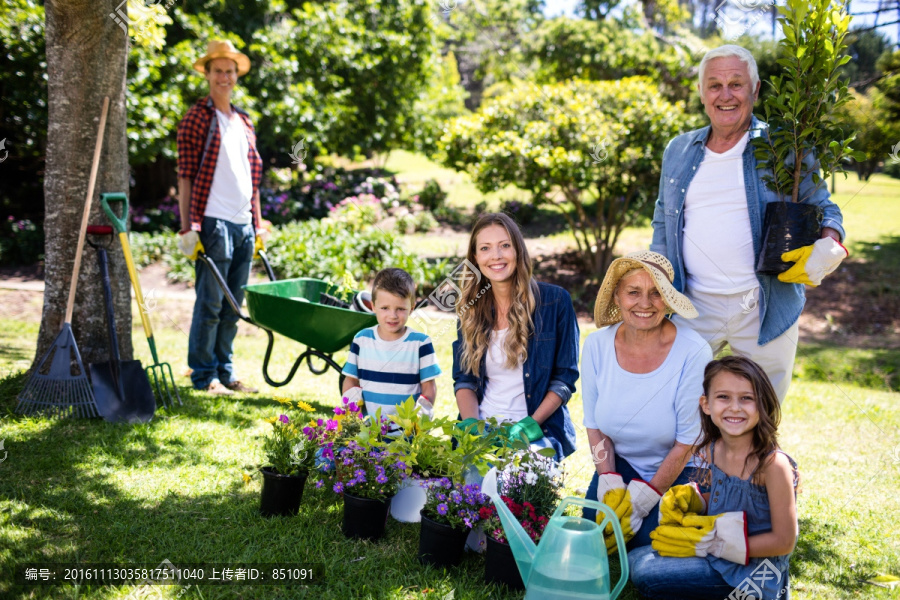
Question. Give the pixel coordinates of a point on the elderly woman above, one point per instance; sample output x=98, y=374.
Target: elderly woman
x=516, y=353
x=709, y=222
x=643, y=377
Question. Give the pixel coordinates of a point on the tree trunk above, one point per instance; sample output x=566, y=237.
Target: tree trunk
x=86, y=60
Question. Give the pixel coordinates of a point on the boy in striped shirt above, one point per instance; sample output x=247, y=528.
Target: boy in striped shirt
x=390, y=362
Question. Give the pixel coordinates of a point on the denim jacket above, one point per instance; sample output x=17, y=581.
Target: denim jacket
x=551, y=366
x=780, y=304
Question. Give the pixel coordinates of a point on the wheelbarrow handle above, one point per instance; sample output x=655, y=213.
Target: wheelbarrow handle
x=217, y=275
x=265, y=260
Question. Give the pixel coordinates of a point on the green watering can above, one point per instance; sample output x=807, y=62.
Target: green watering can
x=570, y=561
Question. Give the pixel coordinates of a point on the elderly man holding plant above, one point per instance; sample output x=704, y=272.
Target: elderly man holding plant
x=708, y=223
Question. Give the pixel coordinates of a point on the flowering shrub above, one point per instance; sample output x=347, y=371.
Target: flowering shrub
x=21, y=242
x=314, y=200
x=530, y=485
x=287, y=450
x=456, y=505
x=165, y=216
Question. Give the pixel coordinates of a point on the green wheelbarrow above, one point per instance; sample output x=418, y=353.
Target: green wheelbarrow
x=292, y=308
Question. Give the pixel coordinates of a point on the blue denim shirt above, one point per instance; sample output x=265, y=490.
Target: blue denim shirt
x=780, y=304
x=551, y=366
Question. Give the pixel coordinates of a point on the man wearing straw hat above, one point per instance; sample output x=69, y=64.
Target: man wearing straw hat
x=219, y=171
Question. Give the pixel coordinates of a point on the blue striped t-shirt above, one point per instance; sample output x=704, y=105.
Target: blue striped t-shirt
x=389, y=372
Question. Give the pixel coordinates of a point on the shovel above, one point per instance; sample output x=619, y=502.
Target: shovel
x=121, y=388
x=161, y=372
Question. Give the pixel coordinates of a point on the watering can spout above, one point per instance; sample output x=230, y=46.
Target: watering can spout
x=522, y=546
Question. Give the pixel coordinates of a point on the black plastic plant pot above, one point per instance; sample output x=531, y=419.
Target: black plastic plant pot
x=281, y=494
x=364, y=518
x=500, y=565
x=787, y=226
x=440, y=545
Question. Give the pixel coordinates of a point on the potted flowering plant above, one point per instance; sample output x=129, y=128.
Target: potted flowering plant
x=450, y=511
x=328, y=434
x=365, y=472
x=290, y=455
x=529, y=484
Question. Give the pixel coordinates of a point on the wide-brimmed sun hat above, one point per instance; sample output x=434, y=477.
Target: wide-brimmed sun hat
x=223, y=49
x=660, y=270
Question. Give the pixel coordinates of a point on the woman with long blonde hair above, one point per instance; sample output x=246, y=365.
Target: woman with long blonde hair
x=516, y=353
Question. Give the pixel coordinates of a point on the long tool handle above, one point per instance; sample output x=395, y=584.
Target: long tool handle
x=132, y=272
x=70, y=305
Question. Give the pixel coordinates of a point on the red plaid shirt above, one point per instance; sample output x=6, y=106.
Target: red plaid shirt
x=192, y=133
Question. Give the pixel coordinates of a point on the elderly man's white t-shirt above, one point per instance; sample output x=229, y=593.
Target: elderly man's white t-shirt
x=717, y=240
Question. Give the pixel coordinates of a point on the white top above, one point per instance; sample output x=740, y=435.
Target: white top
x=504, y=392
x=644, y=414
x=717, y=240
x=232, y=186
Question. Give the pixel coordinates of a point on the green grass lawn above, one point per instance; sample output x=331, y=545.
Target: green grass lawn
x=173, y=489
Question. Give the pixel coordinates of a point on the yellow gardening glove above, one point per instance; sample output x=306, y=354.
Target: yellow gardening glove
x=258, y=245
x=611, y=492
x=812, y=263
x=679, y=501
x=638, y=501
x=723, y=536
x=189, y=244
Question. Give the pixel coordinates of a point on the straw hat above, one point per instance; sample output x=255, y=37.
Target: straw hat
x=660, y=270
x=223, y=49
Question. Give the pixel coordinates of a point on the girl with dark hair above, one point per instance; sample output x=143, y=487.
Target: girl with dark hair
x=739, y=536
x=516, y=353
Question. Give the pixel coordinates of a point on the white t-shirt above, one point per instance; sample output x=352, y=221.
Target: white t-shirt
x=232, y=186
x=504, y=393
x=644, y=414
x=717, y=240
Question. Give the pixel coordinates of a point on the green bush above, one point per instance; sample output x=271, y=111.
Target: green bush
x=148, y=248
x=330, y=248
x=432, y=196
x=522, y=212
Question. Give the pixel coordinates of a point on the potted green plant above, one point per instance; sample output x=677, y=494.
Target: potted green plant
x=530, y=484
x=289, y=456
x=426, y=452
x=803, y=138
x=450, y=511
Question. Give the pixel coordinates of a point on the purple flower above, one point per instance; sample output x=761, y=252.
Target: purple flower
x=284, y=419
x=338, y=410
x=319, y=484
x=352, y=407
x=381, y=479
x=442, y=509
x=338, y=487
